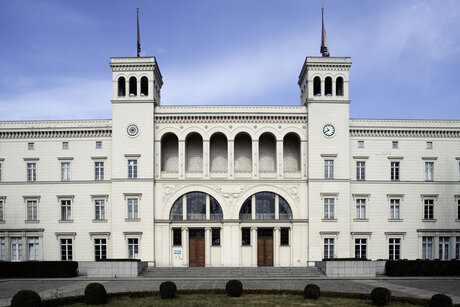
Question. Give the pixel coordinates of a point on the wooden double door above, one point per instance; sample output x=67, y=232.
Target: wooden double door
x=196, y=247
x=265, y=247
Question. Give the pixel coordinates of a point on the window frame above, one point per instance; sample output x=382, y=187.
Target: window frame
x=177, y=236
x=360, y=208
x=395, y=170
x=246, y=236
x=394, y=248
x=2, y=209
x=284, y=236
x=66, y=254
x=65, y=171
x=429, y=144
x=31, y=171
x=429, y=171
x=329, y=208
x=428, y=208
x=99, y=170
x=361, y=144
x=215, y=236
x=132, y=204
x=3, y=248
x=328, y=248
x=427, y=247
x=328, y=169
x=16, y=248
x=33, y=204
x=99, y=209
x=33, y=248
x=98, y=144
x=444, y=247
x=395, y=203
x=65, y=206
x=65, y=145
x=133, y=248
x=132, y=168
x=101, y=244
x=361, y=248
x=394, y=144
x=30, y=146
x=361, y=170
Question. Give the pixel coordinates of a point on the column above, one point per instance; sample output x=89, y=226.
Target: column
x=25, y=248
x=253, y=207
x=230, y=153
x=279, y=157
x=322, y=87
x=276, y=246
x=207, y=244
x=138, y=85
x=255, y=158
x=181, y=158
x=303, y=158
x=208, y=208
x=184, y=207
x=185, y=247
x=277, y=207
x=254, y=246
x=157, y=159
x=206, y=159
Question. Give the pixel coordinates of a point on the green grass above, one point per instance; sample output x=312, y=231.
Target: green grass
x=216, y=300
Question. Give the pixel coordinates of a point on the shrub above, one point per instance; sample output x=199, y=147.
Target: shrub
x=27, y=298
x=234, y=288
x=380, y=296
x=311, y=291
x=168, y=290
x=95, y=294
x=422, y=268
x=38, y=269
x=440, y=300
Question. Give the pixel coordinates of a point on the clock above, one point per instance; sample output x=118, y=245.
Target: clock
x=132, y=130
x=328, y=130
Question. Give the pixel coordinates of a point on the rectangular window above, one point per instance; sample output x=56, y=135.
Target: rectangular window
x=66, y=249
x=215, y=236
x=32, y=210
x=133, y=248
x=2, y=217
x=444, y=243
x=284, y=236
x=360, y=248
x=133, y=208
x=65, y=145
x=360, y=208
x=360, y=170
x=245, y=236
x=132, y=168
x=16, y=249
x=457, y=249
x=66, y=210
x=459, y=171
x=65, y=171
x=31, y=146
x=100, y=249
x=32, y=248
x=394, y=144
x=394, y=170
x=0, y=172
x=99, y=170
x=427, y=248
x=429, y=168
x=2, y=249
x=458, y=209
x=394, y=249
x=98, y=144
x=360, y=144
x=428, y=209
x=328, y=208
x=177, y=237
x=31, y=171
x=328, y=248
x=394, y=209
x=99, y=206
x=429, y=145
x=328, y=169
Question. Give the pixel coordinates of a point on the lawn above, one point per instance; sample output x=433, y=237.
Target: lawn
x=245, y=300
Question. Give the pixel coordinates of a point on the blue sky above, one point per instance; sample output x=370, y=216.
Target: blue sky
x=54, y=54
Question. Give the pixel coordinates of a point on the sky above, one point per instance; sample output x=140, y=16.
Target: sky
x=54, y=55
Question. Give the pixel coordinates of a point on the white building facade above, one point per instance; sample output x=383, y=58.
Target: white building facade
x=230, y=185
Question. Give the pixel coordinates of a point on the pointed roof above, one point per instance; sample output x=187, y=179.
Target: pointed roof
x=324, y=48
x=138, y=35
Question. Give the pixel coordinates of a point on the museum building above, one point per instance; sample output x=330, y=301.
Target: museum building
x=230, y=185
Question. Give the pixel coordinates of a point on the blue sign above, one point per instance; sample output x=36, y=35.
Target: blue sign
x=176, y=252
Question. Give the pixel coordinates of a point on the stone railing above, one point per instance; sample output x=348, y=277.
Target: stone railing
x=111, y=268
x=351, y=268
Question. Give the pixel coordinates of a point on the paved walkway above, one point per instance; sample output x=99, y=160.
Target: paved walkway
x=412, y=287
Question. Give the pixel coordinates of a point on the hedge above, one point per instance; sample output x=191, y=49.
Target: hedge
x=346, y=259
x=38, y=269
x=119, y=260
x=422, y=268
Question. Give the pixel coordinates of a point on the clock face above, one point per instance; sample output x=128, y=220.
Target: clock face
x=132, y=130
x=328, y=130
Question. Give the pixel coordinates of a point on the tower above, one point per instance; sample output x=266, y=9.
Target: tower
x=136, y=91
x=323, y=83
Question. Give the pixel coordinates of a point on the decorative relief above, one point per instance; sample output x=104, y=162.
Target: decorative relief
x=231, y=193
x=294, y=191
x=168, y=190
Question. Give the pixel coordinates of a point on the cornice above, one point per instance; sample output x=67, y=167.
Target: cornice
x=71, y=133
x=171, y=119
x=422, y=133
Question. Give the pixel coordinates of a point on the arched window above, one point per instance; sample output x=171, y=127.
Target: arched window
x=169, y=153
x=121, y=86
x=317, y=86
x=144, y=86
x=291, y=153
x=328, y=86
x=132, y=86
x=194, y=153
x=339, y=86
x=265, y=206
x=243, y=153
x=267, y=153
x=196, y=204
x=218, y=147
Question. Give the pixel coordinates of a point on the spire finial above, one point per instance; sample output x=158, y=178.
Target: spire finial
x=324, y=48
x=138, y=35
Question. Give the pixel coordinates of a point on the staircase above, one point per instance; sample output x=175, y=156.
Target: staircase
x=232, y=273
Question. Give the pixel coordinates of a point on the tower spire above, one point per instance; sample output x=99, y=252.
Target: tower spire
x=138, y=36
x=324, y=48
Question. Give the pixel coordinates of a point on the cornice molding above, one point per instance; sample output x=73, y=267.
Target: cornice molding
x=422, y=133
x=184, y=118
x=42, y=134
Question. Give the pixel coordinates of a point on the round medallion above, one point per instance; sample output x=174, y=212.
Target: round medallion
x=328, y=130
x=132, y=130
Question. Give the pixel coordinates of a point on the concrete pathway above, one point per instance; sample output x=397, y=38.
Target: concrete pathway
x=411, y=287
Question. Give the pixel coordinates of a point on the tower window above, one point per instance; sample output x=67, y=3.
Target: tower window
x=339, y=86
x=121, y=86
x=328, y=86
x=317, y=86
x=132, y=86
x=144, y=86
